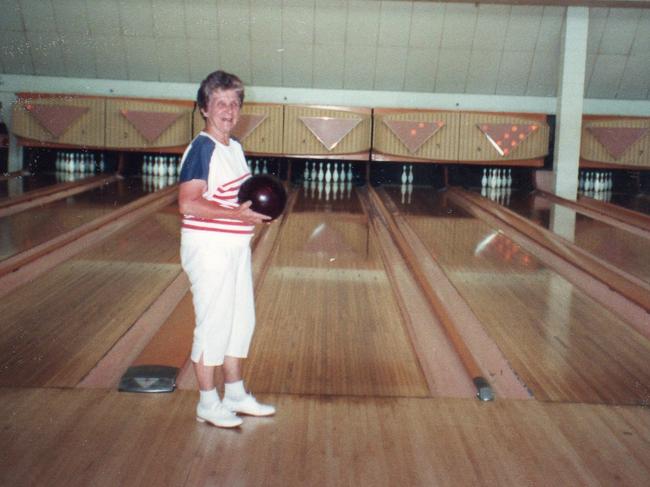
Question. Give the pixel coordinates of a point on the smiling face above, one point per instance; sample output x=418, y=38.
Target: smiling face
x=222, y=114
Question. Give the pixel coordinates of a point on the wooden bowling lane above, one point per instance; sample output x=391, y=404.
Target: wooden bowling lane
x=30, y=228
x=74, y=437
x=327, y=319
x=563, y=344
x=625, y=248
x=19, y=185
x=58, y=326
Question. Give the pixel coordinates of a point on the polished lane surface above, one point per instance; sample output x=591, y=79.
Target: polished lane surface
x=18, y=185
x=563, y=345
x=27, y=229
x=328, y=319
x=622, y=249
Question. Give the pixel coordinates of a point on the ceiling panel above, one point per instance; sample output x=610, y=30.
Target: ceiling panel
x=11, y=18
x=332, y=56
x=395, y=45
x=458, y=26
x=363, y=23
x=266, y=22
x=169, y=18
x=79, y=55
x=451, y=74
x=523, y=28
x=37, y=15
x=104, y=18
x=201, y=19
x=359, y=71
x=267, y=64
x=70, y=16
x=297, y=64
x=421, y=66
x=203, y=58
x=330, y=22
x=619, y=32
x=110, y=53
x=426, y=25
x=15, y=55
x=483, y=71
x=606, y=76
x=298, y=22
x=635, y=82
x=235, y=57
x=141, y=61
x=391, y=64
x=394, y=24
x=173, y=59
x=514, y=72
x=491, y=27
x=136, y=18
x=47, y=53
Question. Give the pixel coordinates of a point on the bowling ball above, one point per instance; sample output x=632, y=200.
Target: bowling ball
x=266, y=193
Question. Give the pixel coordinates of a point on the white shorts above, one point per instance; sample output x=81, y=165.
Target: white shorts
x=222, y=292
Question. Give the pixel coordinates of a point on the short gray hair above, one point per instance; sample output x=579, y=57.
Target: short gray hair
x=218, y=80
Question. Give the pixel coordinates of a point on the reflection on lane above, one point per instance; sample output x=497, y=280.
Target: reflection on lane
x=18, y=185
x=27, y=229
x=639, y=202
x=620, y=248
x=562, y=344
x=328, y=321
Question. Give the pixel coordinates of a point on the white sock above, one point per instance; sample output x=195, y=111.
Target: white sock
x=207, y=398
x=235, y=390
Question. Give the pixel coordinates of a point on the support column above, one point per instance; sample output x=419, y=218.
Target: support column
x=570, y=97
x=15, y=157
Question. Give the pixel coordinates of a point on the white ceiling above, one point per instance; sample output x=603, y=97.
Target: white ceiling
x=419, y=46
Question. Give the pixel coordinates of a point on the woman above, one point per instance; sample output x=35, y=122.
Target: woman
x=216, y=255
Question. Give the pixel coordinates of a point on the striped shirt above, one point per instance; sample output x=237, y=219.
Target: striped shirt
x=224, y=169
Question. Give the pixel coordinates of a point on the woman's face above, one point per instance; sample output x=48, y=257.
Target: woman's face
x=222, y=114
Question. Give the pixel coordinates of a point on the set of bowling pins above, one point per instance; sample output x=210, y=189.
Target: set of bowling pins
x=328, y=172
x=161, y=166
x=78, y=163
x=496, y=185
x=327, y=181
x=159, y=171
x=496, y=178
x=595, y=181
x=258, y=166
x=406, y=188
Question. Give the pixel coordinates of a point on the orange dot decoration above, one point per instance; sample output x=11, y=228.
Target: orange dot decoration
x=514, y=128
x=413, y=132
x=506, y=151
x=420, y=125
x=506, y=135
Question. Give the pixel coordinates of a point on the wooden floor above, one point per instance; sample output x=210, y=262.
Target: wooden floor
x=105, y=438
x=333, y=351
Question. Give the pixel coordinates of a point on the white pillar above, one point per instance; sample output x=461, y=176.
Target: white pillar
x=15, y=162
x=568, y=128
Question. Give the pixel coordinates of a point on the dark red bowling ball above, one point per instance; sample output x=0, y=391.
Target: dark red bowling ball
x=266, y=193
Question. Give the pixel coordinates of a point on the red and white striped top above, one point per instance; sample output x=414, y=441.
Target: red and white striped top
x=224, y=169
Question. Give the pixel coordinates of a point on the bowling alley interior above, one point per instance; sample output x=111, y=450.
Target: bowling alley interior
x=456, y=291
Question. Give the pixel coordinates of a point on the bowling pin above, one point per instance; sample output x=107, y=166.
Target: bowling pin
x=409, y=179
x=484, y=179
x=404, y=176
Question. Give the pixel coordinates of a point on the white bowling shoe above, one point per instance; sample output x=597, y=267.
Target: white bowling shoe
x=248, y=405
x=218, y=415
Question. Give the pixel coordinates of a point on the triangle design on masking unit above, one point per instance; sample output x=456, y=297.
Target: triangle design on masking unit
x=150, y=125
x=413, y=134
x=330, y=131
x=247, y=125
x=56, y=119
x=616, y=140
x=506, y=137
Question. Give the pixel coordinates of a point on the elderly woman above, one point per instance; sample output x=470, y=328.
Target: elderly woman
x=216, y=255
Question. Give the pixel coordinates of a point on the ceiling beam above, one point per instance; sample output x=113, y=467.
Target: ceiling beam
x=555, y=3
